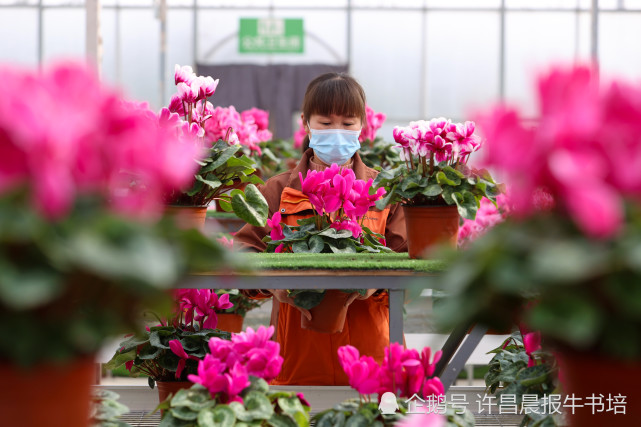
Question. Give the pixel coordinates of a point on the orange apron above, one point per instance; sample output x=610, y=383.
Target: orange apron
x=310, y=358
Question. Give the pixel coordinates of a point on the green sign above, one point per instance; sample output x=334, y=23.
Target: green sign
x=270, y=35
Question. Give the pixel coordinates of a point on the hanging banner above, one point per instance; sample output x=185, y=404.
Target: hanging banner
x=271, y=35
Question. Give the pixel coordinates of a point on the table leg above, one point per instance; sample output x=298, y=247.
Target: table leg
x=396, y=301
x=452, y=370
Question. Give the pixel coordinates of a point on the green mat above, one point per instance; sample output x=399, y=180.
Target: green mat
x=222, y=215
x=360, y=261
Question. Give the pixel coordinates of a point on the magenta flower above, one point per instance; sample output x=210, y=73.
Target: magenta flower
x=177, y=348
x=207, y=87
x=362, y=372
x=183, y=74
x=276, y=232
x=532, y=343
x=299, y=135
x=76, y=136
x=352, y=226
x=373, y=122
x=217, y=377
x=257, y=116
x=189, y=93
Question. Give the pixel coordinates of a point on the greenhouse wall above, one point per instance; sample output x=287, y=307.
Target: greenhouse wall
x=415, y=58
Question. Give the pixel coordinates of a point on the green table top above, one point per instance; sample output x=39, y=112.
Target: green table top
x=360, y=261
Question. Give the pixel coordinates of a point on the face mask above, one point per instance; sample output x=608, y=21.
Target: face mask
x=334, y=145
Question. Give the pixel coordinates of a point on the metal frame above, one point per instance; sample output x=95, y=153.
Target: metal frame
x=456, y=350
x=93, y=19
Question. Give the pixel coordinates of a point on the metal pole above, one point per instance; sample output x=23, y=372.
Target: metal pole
x=423, y=95
x=195, y=35
x=502, y=51
x=118, y=46
x=594, y=33
x=349, y=35
x=40, y=37
x=162, y=15
x=93, y=42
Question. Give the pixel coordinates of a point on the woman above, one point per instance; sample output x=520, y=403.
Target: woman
x=333, y=114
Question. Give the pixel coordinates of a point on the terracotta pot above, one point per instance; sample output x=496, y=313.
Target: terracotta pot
x=328, y=317
x=47, y=394
x=585, y=374
x=165, y=388
x=230, y=322
x=430, y=226
x=188, y=216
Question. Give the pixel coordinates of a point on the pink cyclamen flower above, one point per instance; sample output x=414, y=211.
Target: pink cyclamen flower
x=532, y=343
x=184, y=74
x=257, y=116
x=362, y=372
x=276, y=232
x=351, y=226
x=227, y=243
x=373, y=122
x=177, y=348
x=189, y=93
x=299, y=135
x=207, y=87
x=75, y=138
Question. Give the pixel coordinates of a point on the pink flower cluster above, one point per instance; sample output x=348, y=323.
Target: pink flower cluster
x=250, y=127
x=373, y=122
x=584, y=151
x=225, y=371
x=300, y=134
x=276, y=232
x=487, y=217
x=336, y=190
x=403, y=372
x=64, y=135
x=438, y=139
x=200, y=305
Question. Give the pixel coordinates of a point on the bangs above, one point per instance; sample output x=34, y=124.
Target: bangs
x=337, y=96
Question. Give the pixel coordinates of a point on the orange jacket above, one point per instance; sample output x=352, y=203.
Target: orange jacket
x=310, y=358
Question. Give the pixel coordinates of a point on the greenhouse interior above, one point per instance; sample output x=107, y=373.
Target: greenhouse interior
x=299, y=213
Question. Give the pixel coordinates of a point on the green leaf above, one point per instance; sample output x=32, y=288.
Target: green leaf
x=184, y=413
x=466, y=203
x=432, y=190
x=445, y=179
x=308, y=300
x=257, y=407
x=316, y=244
x=212, y=183
x=290, y=405
x=533, y=375
x=24, y=290
x=281, y=420
x=300, y=246
x=357, y=420
x=252, y=208
x=387, y=199
x=221, y=157
x=219, y=416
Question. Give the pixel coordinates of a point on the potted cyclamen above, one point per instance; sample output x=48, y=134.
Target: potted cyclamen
x=230, y=387
x=404, y=373
x=340, y=203
x=224, y=167
x=231, y=319
x=567, y=261
x=82, y=251
x=170, y=351
x=435, y=184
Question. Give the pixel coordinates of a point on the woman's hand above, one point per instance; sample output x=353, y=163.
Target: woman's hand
x=281, y=296
x=355, y=295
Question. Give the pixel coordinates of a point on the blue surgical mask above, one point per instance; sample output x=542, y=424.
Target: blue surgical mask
x=334, y=145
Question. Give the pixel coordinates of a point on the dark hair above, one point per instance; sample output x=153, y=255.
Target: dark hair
x=333, y=93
